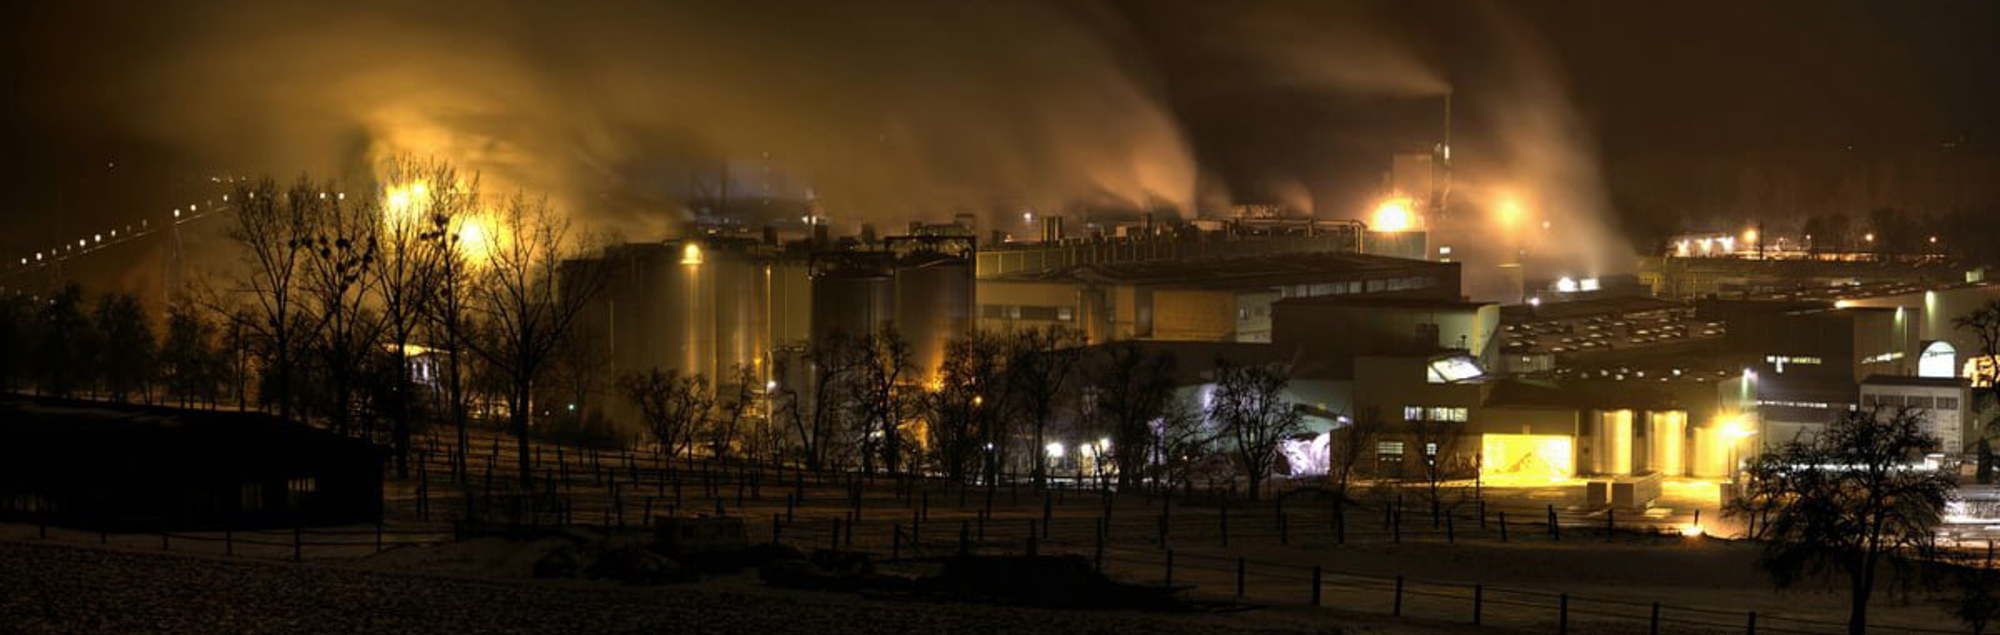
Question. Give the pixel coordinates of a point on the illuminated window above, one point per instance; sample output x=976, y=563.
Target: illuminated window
x=1413, y=413
x=253, y=497
x=1430, y=449
x=297, y=490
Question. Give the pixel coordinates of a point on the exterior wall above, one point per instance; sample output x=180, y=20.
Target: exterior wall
x=1367, y=329
x=1208, y=316
x=1945, y=410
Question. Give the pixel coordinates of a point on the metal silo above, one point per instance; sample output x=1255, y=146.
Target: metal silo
x=933, y=305
x=852, y=295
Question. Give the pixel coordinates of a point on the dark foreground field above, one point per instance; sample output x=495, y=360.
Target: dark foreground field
x=48, y=588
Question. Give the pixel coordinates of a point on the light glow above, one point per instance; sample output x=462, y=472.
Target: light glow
x=691, y=254
x=1528, y=457
x=1395, y=215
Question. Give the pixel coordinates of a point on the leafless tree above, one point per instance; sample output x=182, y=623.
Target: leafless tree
x=1251, y=409
x=957, y=408
x=674, y=406
x=1184, y=443
x=1041, y=373
x=1845, y=501
x=1349, y=444
x=343, y=245
x=1132, y=389
x=462, y=235
x=817, y=414
x=881, y=368
x=275, y=235
x=530, y=289
x=410, y=257
x=725, y=430
x=1437, y=443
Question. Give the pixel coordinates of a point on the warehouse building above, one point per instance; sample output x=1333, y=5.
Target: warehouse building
x=128, y=467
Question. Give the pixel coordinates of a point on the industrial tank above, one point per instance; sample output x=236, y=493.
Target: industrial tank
x=851, y=298
x=933, y=305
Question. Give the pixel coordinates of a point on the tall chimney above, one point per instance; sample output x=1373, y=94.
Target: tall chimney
x=1052, y=229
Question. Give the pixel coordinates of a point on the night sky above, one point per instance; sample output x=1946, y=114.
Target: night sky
x=1648, y=116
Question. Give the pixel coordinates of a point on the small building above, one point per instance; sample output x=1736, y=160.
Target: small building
x=1944, y=403
x=129, y=467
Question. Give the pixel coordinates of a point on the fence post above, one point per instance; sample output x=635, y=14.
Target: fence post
x=777, y=528
x=1239, y=576
x=1398, y=610
x=964, y=537
x=1284, y=530
x=1031, y=546
x=378, y=536
x=1340, y=520
x=1751, y=628
x=1316, y=585
x=896, y=541
x=1478, y=602
x=1482, y=513
x=1555, y=530
x=229, y=541
x=1225, y=524
x=1170, y=568
x=835, y=543
x=1450, y=534
x=163, y=539
x=1396, y=525
x=298, y=543
x=1653, y=623
x=1098, y=560
x=1503, y=526
x=1562, y=614
x=1610, y=523
x=1047, y=508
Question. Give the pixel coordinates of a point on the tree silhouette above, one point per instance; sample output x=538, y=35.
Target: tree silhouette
x=1251, y=409
x=1846, y=501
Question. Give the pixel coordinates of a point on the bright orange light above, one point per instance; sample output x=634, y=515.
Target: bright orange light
x=691, y=254
x=406, y=202
x=1749, y=235
x=1395, y=215
x=475, y=240
x=1692, y=530
x=1508, y=213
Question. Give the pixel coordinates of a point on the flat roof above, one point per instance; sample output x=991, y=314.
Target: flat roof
x=1383, y=302
x=1572, y=309
x=1226, y=272
x=1906, y=380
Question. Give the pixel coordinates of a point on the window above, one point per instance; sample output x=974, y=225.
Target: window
x=1947, y=403
x=1389, y=451
x=1919, y=402
x=298, y=490
x=1430, y=449
x=1446, y=413
x=253, y=497
x=1413, y=413
x=1065, y=314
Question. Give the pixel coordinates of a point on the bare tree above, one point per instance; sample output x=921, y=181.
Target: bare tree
x=189, y=363
x=1132, y=389
x=411, y=255
x=953, y=405
x=1845, y=501
x=274, y=233
x=881, y=368
x=725, y=430
x=674, y=406
x=337, y=284
x=1437, y=440
x=1251, y=409
x=816, y=414
x=530, y=290
x=1041, y=373
x=1347, y=445
x=128, y=356
x=1184, y=443
x=65, y=341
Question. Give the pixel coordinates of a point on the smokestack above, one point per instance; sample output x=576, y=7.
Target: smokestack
x=1052, y=229
x=1146, y=223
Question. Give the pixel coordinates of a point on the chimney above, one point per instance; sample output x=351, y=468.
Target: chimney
x=1146, y=223
x=1052, y=229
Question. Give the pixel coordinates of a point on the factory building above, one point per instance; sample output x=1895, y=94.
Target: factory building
x=1694, y=278
x=1944, y=404
x=1224, y=300
x=709, y=304
x=1147, y=242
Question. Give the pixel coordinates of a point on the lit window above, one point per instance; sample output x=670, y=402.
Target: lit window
x=1413, y=413
x=1430, y=449
x=1389, y=447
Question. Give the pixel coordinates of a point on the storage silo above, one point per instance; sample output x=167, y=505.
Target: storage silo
x=934, y=294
